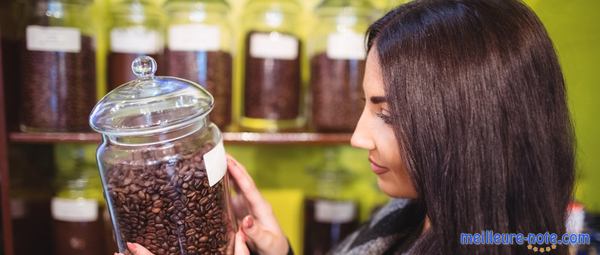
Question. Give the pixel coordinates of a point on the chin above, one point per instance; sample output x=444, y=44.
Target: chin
x=395, y=190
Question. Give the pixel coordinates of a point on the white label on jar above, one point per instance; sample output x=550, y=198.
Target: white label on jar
x=194, y=37
x=63, y=39
x=334, y=211
x=346, y=45
x=74, y=210
x=274, y=45
x=216, y=163
x=17, y=208
x=135, y=40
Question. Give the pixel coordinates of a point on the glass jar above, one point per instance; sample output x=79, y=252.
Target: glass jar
x=337, y=55
x=12, y=25
x=163, y=165
x=272, y=78
x=331, y=214
x=76, y=207
x=59, y=67
x=136, y=29
x=30, y=196
x=199, y=46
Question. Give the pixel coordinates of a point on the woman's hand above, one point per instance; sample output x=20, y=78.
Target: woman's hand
x=259, y=228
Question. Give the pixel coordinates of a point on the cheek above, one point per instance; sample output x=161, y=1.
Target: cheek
x=398, y=182
x=404, y=187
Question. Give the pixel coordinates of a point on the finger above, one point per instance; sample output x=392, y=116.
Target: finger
x=248, y=189
x=240, y=244
x=262, y=239
x=240, y=206
x=137, y=249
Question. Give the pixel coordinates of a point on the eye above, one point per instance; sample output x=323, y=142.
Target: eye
x=387, y=119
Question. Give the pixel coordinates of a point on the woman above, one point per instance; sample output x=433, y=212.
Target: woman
x=466, y=125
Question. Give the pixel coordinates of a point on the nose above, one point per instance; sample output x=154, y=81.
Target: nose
x=361, y=138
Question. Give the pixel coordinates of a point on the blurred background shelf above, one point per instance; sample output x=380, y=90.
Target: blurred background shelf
x=230, y=138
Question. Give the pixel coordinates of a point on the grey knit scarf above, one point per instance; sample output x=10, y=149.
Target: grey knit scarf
x=388, y=232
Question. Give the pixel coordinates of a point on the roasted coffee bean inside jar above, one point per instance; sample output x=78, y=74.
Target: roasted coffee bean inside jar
x=336, y=93
x=272, y=85
x=59, y=89
x=211, y=69
x=168, y=206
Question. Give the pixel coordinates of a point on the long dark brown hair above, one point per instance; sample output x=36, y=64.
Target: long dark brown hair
x=479, y=109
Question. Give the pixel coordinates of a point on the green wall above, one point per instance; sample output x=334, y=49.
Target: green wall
x=574, y=26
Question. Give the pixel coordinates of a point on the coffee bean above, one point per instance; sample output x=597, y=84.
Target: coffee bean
x=167, y=206
x=58, y=89
x=336, y=86
x=271, y=86
x=211, y=69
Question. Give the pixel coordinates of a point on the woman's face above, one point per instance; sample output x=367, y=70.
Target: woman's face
x=375, y=134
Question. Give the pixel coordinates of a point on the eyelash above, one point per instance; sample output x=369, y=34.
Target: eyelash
x=386, y=118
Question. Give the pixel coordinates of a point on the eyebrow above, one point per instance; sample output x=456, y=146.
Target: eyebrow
x=378, y=99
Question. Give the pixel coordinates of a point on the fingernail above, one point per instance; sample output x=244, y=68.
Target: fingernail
x=132, y=247
x=248, y=222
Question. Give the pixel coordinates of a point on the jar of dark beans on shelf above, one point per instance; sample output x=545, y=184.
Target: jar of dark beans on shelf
x=77, y=205
x=58, y=87
x=136, y=29
x=330, y=211
x=272, y=77
x=337, y=62
x=12, y=24
x=199, y=46
x=163, y=165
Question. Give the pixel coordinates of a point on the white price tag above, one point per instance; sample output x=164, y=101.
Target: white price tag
x=194, y=37
x=346, y=45
x=274, y=45
x=135, y=40
x=216, y=164
x=63, y=39
x=334, y=211
x=74, y=210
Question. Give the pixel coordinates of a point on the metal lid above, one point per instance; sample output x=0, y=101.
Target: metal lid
x=150, y=104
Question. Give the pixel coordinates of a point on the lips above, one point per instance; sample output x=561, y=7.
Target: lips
x=377, y=169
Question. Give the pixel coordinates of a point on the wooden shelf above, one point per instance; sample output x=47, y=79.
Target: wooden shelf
x=230, y=138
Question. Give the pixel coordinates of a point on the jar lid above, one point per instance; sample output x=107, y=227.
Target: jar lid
x=150, y=104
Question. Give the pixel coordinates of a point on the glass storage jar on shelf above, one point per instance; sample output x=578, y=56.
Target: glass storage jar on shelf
x=12, y=24
x=337, y=53
x=272, y=85
x=330, y=210
x=30, y=196
x=136, y=29
x=59, y=67
x=76, y=207
x=163, y=165
x=199, y=48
